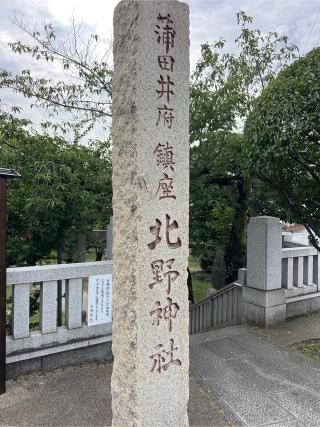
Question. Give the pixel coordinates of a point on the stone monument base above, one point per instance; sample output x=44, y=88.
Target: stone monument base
x=264, y=308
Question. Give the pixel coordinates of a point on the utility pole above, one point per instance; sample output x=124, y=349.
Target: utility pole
x=5, y=174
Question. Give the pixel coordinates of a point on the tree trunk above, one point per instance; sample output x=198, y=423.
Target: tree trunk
x=99, y=254
x=236, y=248
x=218, y=272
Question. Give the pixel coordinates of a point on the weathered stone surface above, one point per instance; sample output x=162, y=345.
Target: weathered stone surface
x=48, y=307
x=147, y=228
x=264, y=253
x=46, y=273
x=74, y=303
x=95, y=353
x=263, y=316
x=20, y=315
x=242, y=276
x=301, y=305
x=23, y=367
x=263, y=298
x=63, y=336
x=305, y=290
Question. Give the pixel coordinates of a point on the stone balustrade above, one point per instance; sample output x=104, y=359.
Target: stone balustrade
x=280, y=283
x=283, y=282
x=300, y=269
x=24, y=344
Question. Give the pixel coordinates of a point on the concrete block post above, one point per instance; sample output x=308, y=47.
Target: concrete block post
x=263, y=298
x=150, y=178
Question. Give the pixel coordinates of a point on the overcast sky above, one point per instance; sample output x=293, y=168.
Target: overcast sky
x=209, y=20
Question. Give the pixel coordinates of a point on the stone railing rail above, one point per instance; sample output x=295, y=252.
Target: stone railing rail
x=300, y=268
x=24, y=344
x=221, y=308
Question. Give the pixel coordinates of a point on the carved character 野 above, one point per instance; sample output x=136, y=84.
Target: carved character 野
x=160, y=275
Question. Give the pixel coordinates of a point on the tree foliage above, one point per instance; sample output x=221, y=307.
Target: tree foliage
x=78, y=101
x=223, y=89
x=63, y=188
x=282, y=136
x=225, y=84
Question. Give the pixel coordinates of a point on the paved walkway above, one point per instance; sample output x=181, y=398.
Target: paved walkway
x=248, y=376
x=81, y=396
x=258, y=382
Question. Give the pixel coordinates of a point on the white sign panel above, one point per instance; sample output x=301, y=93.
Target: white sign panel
x=100, y=299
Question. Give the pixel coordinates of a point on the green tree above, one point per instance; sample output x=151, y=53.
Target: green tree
x=223, y=89
x=63, y=188
x=80, y=100
x=282, y=141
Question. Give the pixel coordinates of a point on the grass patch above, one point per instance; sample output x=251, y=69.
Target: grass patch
x=310, y=348
x=260, y=331
x=200, y=288
x=212, y=403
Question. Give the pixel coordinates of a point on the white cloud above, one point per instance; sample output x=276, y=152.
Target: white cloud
x=209, y=20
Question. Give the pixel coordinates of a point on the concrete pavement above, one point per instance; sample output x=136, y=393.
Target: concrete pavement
x=255, y=381
x=248, y=376
x=81, y=396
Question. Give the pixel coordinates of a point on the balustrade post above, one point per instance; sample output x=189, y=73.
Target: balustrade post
x=308, y=270
x=48, y=306
x=74, y=303
x=287, y=273
x=316, y=270
x=20, y=311
x=263, y=296
x=298, y=272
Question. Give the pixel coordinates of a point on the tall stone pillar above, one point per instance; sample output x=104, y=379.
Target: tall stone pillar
x=150, y=213
x=263, y=298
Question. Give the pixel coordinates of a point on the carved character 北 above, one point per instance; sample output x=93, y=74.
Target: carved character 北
x=155, y=230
